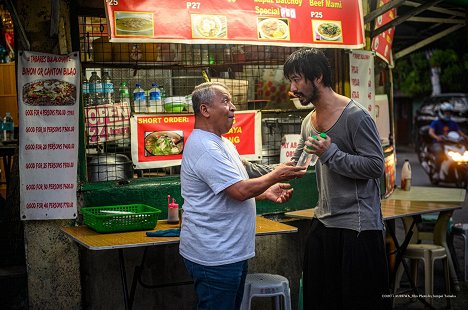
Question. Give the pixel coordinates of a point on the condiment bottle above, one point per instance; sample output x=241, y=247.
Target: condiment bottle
x=406, y=176
x=172, y=211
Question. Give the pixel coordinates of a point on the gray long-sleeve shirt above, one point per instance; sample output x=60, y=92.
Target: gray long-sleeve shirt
x=348, y=172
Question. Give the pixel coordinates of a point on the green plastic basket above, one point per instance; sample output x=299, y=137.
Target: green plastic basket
x=120, y=218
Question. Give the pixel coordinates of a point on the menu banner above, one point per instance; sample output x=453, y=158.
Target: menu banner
x=361, y=76
x=315, y=23
x=382, y=44
x=157, y=141
x=48, y=104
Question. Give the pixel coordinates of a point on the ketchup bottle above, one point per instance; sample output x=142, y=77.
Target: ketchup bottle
x=172, y=211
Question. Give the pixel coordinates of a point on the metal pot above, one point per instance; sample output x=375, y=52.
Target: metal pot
x=109, y=167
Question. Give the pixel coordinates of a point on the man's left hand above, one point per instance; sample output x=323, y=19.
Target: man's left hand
x=279, y=192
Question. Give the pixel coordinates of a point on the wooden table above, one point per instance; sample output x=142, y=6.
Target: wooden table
x=120, y=241
x=430, y=194
x=392, y=209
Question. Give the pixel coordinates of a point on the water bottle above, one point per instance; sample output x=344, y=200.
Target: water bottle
x=139, y=99
x=107, y=89
x=308, y=159
x=154, y=102
x=85, y=91
x=8, y=127
x=95, y=89
x=124, y=95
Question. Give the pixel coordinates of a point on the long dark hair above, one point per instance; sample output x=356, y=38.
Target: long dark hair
x=311, y=63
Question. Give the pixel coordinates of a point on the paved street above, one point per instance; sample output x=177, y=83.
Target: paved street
x=460, y=299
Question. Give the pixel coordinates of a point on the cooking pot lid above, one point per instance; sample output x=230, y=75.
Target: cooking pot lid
x=108, y=159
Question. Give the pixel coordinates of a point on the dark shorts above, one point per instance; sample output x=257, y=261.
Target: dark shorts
x=344, y=269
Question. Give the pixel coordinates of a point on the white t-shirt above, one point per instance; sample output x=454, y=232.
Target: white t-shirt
x=216, y=230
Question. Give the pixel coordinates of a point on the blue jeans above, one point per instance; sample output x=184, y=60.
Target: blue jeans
x=218, y=287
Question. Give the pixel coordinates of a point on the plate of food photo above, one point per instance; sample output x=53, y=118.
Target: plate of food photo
x=208, y=26
x=329, y=31
x=164, y=142
x=50, y=92
x=273, y=29
x=133, y=23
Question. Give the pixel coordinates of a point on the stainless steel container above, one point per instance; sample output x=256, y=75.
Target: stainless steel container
x=109, y=167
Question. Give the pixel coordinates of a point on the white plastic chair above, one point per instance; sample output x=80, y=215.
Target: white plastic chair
x=428, y=254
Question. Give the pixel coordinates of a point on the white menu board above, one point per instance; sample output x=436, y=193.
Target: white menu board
x=361, y=76
x=48, y=102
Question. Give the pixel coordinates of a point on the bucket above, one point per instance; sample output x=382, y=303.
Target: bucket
x=109, y=167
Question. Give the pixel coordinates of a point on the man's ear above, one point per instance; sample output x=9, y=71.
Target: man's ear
x=319, y=80
x=204, y=110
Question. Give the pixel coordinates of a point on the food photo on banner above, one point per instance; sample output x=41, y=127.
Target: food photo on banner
x=157, y=141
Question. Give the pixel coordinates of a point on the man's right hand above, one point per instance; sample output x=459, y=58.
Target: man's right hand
x=288, y=171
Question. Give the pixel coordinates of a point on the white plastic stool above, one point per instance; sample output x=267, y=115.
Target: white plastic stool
x=266, y=285
x=463, y=231
x=428, y=253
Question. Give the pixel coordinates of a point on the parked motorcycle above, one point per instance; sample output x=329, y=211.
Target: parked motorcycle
x=454, y=164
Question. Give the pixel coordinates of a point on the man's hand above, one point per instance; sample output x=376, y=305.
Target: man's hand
x=288, y=171
x=279, y=193
x=319, y=145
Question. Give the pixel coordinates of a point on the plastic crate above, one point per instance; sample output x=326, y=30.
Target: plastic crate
x=120, y=218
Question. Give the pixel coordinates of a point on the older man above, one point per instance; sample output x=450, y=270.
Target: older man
x=218, y=232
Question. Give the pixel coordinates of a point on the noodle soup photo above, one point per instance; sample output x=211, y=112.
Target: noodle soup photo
x=273, y=29
x=134, y=24
x=209, y=26
x=327, y=31
x=164, y=143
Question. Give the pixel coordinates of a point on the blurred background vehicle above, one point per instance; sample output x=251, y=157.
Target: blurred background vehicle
x=428, y=112
x=454, y=171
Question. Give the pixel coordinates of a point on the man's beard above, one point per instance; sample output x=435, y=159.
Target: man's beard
x=312, y=98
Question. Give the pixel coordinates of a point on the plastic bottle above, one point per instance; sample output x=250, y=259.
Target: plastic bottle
x=163, y=93
x=85, y=91
x=308, y=159
x=139, y=99
x=172, y=211
x=8, y=127
x=406, y=176
x=95, y=89
x=107, y=89
x=154, y=102
x=124, y=96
